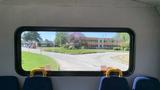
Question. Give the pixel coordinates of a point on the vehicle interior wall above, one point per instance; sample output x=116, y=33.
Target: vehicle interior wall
x=143, y=19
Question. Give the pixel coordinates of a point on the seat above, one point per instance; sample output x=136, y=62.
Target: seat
x=37, y=83
x=9, y=83
x=146, y=83
x=113, y=82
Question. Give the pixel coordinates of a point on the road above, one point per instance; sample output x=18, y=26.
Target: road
x=83, y=62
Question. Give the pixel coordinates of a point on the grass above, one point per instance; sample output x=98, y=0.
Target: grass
x=75, y=51
x=32, y=61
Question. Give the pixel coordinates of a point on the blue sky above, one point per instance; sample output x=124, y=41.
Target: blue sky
x=51, y=35
x=47, y=35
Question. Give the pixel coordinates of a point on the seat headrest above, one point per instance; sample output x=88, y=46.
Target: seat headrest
x=37, y=83
x=113, y=83
x=146, y=83
x=9, y=83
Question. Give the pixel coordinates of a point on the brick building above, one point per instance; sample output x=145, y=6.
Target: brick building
x=91, y=42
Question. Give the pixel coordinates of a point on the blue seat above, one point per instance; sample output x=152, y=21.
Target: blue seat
x=146, y=83
x=9, y=83
x=113, y=83
x=37, y=83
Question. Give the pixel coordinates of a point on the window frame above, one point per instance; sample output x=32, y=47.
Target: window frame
x=17, y=43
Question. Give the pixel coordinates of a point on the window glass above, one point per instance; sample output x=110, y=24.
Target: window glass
x=74, y=51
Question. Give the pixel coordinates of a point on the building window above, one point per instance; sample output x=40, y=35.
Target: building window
x=64, y=51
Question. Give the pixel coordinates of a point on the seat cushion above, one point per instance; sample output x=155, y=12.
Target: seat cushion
x=37, y=83
x=9, y=83
x=146, y=83
x=113, y=83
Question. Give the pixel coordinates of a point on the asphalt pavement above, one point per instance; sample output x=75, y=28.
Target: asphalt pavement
x=84, y=62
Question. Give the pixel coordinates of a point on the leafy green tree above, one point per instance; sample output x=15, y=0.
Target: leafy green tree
x=124, y=40
x=31, y=36
x=46, y=40
x=61, y=38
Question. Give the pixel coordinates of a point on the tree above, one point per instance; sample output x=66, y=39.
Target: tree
x=124, y=40
x=61, y=38
x=31, y=36
x=75, y=39
x=46, y=40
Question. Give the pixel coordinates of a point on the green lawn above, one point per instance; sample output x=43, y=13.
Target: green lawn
x=74, y=51
x=32, y=61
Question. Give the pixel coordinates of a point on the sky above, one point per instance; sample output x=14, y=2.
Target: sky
x=51, y=35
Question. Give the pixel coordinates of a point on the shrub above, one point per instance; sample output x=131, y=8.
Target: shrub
x=82, y=47
x=71, y=47
x=66, y=46
x=116, y=48
x=126, y=49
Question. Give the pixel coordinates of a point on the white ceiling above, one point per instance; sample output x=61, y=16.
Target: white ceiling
x=153, y=2
x=158, y=8
x=99, y=3
x=86, y=3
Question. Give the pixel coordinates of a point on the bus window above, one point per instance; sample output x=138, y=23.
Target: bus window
x=74, y=51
